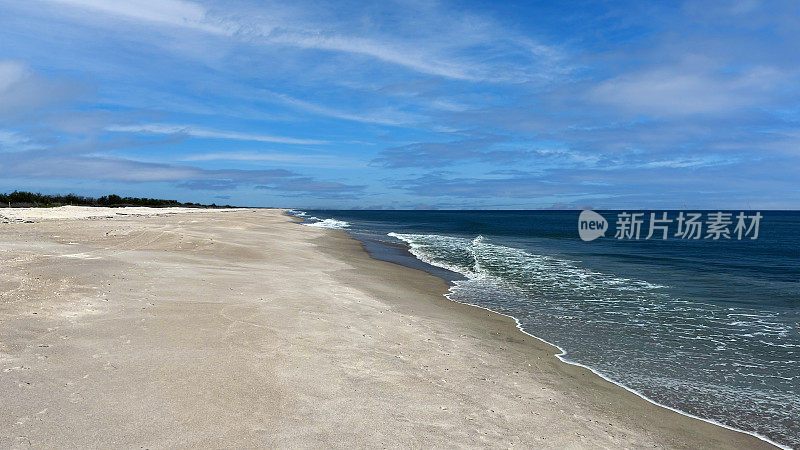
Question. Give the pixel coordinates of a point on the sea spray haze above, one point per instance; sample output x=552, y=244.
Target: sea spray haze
x=709, y=327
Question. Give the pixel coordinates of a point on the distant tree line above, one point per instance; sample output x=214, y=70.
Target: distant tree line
x=21, y=199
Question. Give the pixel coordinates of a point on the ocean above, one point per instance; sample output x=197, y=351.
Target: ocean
x=708, y=327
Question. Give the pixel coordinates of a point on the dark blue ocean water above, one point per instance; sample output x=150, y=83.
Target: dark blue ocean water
x=709, y=327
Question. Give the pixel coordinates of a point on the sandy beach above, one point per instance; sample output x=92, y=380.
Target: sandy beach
x=162, y=328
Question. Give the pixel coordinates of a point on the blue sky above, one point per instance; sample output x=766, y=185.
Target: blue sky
x=408, y=104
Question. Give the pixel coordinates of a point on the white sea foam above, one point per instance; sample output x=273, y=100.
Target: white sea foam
x=478, y=258
x=297, y=213
x=416, y=248
x=564, y=295
x=312, y=221
x=328, y=223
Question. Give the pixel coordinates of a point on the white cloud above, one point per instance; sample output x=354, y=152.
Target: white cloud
x=415, y=58
x=682, y=89
x=329, y=161
x=15, y=142
x=11, y=72
x=694, y=162
x=98, y=168
x=388, y=116
x=189, y=130
x=22, y=91
x=169, y=12
x=443, y=52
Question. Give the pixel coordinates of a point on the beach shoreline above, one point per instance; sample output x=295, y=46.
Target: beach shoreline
x=241, y=328
x=558, y=351
x=544, y=346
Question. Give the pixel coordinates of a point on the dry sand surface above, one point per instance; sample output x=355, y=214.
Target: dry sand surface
x=86, y=212
x=241, y=329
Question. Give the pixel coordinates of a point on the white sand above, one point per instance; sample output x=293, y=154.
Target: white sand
x=90, y=212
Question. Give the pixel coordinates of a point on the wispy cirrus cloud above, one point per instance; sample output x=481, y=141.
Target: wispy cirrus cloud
x=434, y=154
x=446, y=53
x=291, y=159
x=177, y=13
x=12, y=141
x=383, y=116
x=394, y=54
x=192, y=131
x=310, y=185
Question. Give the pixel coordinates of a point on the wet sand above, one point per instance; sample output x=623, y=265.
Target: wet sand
x=244, y=329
